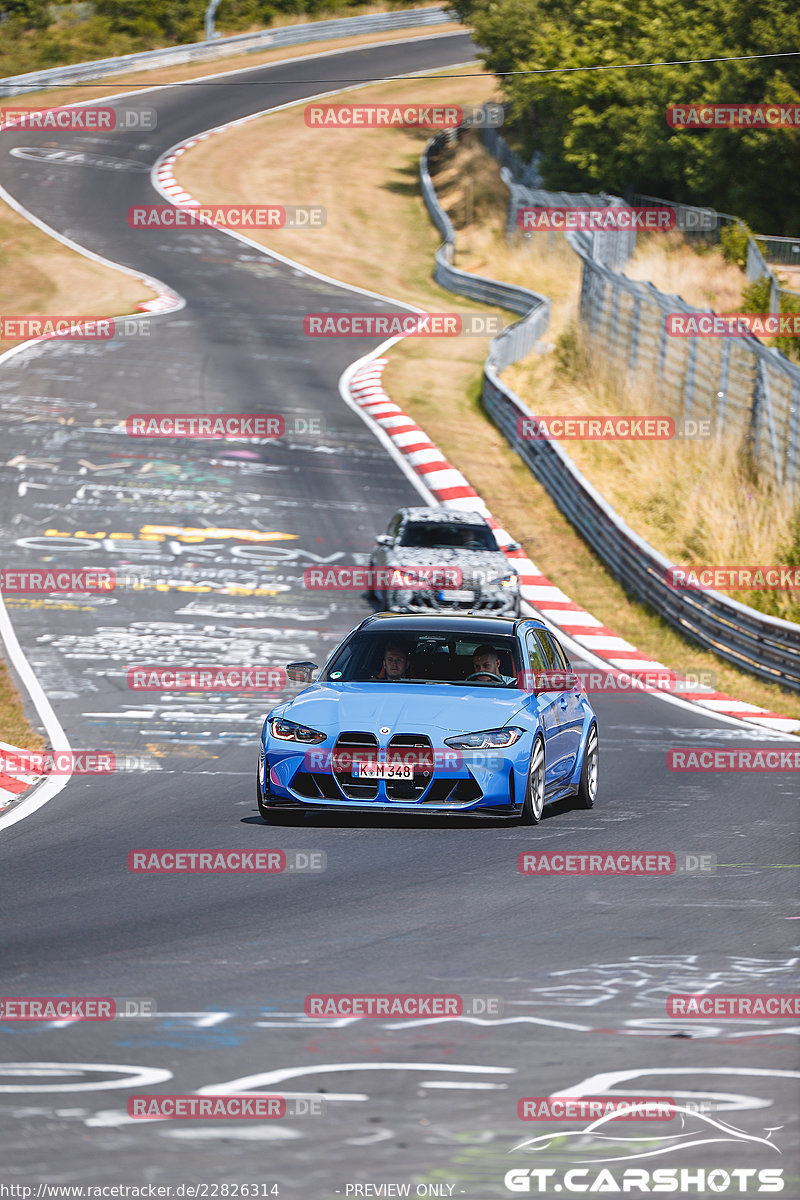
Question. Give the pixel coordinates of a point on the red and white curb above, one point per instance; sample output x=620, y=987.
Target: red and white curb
x=452, y=490
x=13, y=786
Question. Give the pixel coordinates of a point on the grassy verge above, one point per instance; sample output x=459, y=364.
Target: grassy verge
x=15, y=729
x=378, y=236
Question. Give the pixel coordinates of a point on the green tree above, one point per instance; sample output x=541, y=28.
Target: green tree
x=606, y=130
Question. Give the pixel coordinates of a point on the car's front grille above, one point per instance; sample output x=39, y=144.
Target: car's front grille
x=414, y=748
x=352, y=746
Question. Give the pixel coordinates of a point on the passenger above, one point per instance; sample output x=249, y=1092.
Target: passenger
x=396, y=657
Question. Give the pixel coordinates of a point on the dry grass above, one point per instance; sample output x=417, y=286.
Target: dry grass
x=15, y=729
x=703, y=279
x=40, y=276
x=378, y=235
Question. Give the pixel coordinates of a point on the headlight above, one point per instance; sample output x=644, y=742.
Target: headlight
x=504, y=581
x=487, y=739
x=289, y=731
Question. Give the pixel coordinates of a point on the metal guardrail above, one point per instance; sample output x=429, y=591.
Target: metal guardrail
x=781, y=250
x=521, y=337
x=243, y=43
x=762, y=645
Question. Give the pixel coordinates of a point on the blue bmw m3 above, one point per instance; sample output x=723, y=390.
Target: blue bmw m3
x=445, y=713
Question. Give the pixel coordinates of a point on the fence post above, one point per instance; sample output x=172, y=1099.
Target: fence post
x=633, y=353
x=792, y=473
x=722, y=392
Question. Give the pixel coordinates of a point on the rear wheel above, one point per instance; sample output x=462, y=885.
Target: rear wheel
x=534, y=789
x=587, y=788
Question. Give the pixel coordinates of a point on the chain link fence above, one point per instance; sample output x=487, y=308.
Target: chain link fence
x=746, y=390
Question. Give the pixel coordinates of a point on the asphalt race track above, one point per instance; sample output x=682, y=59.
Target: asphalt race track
x=581, y=966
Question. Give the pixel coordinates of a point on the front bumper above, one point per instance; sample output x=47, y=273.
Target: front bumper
x=305, y=777
x=499, y=604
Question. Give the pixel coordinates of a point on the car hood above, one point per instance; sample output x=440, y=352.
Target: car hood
x=402, y=707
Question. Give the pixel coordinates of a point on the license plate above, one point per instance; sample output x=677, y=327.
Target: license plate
x=382, y=770
x=462, y=596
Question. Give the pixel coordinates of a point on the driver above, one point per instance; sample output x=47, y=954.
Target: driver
x=395, y=662
x=486, y=664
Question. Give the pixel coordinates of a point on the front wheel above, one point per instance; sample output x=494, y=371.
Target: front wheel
x=587, y=788
x=534, y=789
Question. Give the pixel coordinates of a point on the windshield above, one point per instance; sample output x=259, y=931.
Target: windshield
x=375, y=656
x=436, y=535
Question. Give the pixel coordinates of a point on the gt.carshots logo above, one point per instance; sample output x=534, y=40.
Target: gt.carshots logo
x=30, y=581
x=355, y=578
x=205, y=679
x=228, y=216
x=400, y=1005
x=633, y=1180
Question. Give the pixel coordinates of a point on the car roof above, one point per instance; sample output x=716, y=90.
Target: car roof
x=443, y=622
x=441, y=516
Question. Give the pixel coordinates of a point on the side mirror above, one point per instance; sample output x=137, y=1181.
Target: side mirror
x=512, y=547
x=301, y=672
x=384, y=539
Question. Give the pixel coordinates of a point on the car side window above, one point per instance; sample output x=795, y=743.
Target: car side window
x=536, y=659
x=393, y=527
x=552, y=646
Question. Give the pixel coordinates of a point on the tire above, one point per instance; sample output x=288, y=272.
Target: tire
x=587, y=788
x=533, y=805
